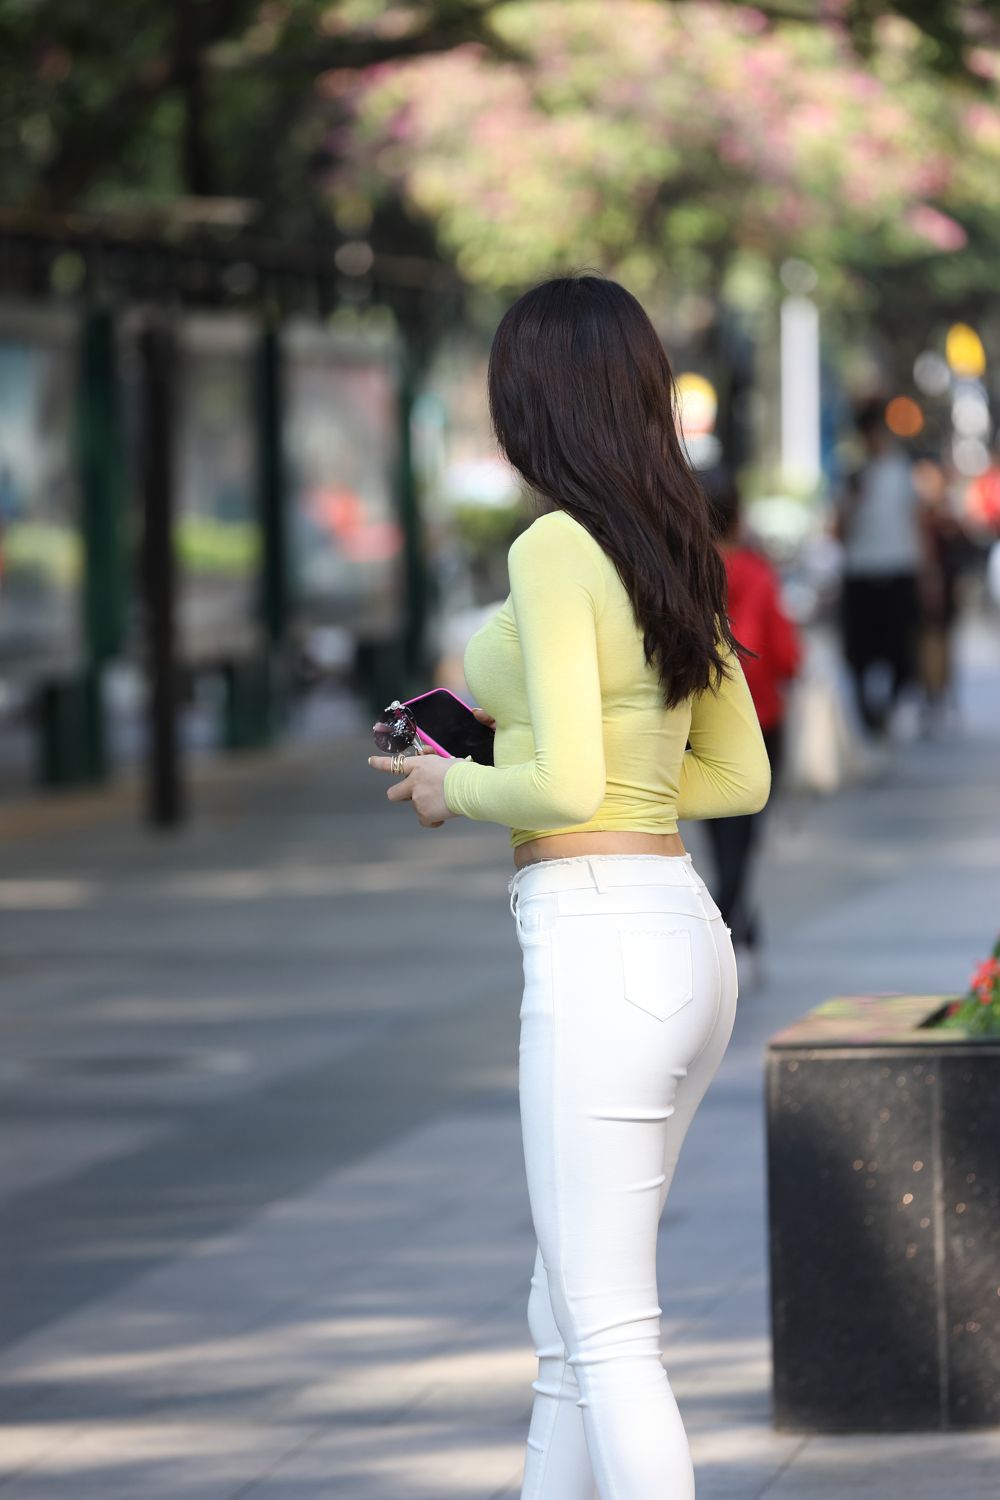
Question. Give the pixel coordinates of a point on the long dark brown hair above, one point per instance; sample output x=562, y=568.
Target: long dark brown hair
x=583, y=404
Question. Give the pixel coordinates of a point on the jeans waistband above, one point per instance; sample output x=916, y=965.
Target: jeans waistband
x=601, y=872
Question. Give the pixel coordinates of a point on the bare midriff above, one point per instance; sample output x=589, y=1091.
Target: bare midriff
x=608, y=841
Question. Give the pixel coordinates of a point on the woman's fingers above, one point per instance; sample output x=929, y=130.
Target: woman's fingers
x=400, y=791
x=382, y=763
x=421, y=783
x=485, y=718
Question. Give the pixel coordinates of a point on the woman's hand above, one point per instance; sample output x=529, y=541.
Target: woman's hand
x=422, y=784
x=485, y=718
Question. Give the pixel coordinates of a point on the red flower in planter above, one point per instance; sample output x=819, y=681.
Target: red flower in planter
x=979, y=1008
x=986, y=980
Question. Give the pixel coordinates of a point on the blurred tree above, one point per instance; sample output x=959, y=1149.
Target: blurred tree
x=951, y=30
x=110, y=106
x=174, y=114
x=694, y=146
x=207, y=98
x=679, y=144
x=190, y=97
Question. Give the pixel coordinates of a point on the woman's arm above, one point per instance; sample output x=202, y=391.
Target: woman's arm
x=556, y=589
x=726, y=771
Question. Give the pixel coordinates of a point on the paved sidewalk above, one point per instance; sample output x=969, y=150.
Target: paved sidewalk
x=265, y=1229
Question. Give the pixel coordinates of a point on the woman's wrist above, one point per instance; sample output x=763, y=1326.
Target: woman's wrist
x=448, y=774
x=444, y=787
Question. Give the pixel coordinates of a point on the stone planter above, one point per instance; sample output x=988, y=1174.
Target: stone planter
x=883, y=1168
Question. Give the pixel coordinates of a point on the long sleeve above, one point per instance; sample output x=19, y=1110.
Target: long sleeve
x=726, y=771
x=557, y=589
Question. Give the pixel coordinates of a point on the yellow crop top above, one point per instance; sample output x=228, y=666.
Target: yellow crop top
x=583, y=740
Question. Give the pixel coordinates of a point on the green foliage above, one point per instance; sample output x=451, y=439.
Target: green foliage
x=41, y=550
x=978, y=1012
x=665, y=141
x=112, y=105
x=487, y=529
x=226, y=547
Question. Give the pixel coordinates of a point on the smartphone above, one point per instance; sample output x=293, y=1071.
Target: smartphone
x=449, y=727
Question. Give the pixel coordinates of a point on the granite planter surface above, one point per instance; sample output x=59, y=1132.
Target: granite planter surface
x=883, y=1173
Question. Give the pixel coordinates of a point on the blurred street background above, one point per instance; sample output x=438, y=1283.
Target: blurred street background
x=263, y=1224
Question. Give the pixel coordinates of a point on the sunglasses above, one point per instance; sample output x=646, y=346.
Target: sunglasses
x=396, y=730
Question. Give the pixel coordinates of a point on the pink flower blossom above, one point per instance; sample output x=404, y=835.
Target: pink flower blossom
x=941, y=231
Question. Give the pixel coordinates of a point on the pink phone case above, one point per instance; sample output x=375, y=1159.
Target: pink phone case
x=438, y=749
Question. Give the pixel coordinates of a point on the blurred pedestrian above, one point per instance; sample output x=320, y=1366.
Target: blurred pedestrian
x=944, y=549
x=619, y=705
x=760, y=623
x=878, y=526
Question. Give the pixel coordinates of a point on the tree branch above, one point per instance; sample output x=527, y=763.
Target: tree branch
x=98, y=138
x=357, y=52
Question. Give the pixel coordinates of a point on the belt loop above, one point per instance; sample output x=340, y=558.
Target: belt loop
x=596, y=875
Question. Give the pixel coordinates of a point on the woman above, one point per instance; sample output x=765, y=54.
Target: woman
x=610, y=654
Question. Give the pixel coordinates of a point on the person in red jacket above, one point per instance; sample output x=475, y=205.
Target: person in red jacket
x=759, y=623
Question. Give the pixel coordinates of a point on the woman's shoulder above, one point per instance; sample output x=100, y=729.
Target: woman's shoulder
x=557, y=543
x=555, y=529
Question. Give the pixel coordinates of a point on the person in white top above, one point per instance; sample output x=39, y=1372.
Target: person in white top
x=878, y=524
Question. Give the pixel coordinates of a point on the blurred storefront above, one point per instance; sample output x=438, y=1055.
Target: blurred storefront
x=194, y=489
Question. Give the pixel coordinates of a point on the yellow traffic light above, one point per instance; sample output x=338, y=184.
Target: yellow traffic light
x=698, y=402
x=964, y=350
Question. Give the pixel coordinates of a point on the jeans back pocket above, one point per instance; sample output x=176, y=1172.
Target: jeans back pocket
x=657, y=969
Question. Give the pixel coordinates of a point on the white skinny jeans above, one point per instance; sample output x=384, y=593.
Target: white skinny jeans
x=629, y=1002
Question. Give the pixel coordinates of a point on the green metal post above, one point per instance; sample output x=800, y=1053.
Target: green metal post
x=255, y=689
x=165, y=787
x=415, y=566
x=275, y=594
x=73, y=746
x=102, y=470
